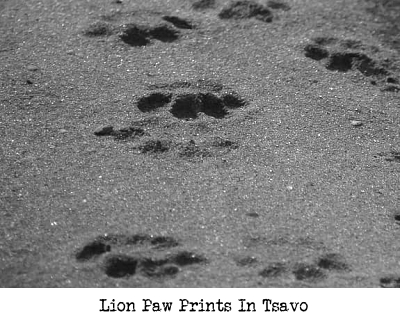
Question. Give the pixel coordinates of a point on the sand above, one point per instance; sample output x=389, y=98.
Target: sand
x=204, y=143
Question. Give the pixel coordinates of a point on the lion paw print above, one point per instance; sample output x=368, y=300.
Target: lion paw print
x=166, y=29
x=183, y=103
x=143, y=258
x=185, y=100
x=350, y=55
x=305, y=271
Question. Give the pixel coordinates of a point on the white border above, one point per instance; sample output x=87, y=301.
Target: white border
x=85, y=304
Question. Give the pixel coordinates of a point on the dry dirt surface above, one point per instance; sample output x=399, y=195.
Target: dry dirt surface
x=200, y=143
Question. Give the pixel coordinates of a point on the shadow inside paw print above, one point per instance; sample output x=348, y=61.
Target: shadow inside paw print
x=396, y=217
x=138, y=36
x=278, y=5
x=390, y=282
x=345, y=61
x=315, y=52
x=120, y=134
x=188, y=106
x=92, y=249
x=157, y=268
x=274, y=270
x=118, y=265
x=203, y=4
x=153, y=101
x=333, y=261
x=134, y=35
x=308, y=272
x=178, y=22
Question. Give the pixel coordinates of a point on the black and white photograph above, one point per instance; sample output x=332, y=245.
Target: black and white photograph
x=240, y=144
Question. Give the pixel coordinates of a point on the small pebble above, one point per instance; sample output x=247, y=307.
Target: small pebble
x=70, y=52
x=91, y=150
x=356, y=123
x=63, y=131
x=32, y=68
x=104, y=130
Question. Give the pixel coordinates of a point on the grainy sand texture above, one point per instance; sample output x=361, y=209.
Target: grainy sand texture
x=200, y=143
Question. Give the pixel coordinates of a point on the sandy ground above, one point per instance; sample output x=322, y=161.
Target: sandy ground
x=185, y=143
